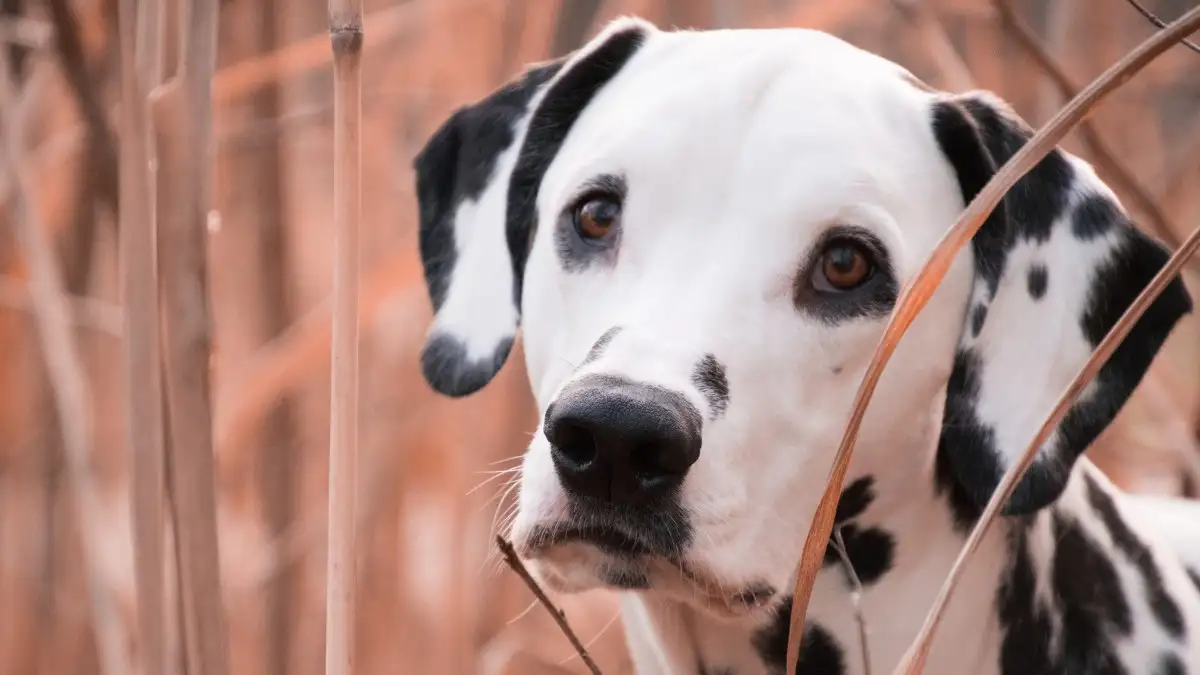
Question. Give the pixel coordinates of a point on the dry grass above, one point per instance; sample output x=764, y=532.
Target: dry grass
x=252, y=319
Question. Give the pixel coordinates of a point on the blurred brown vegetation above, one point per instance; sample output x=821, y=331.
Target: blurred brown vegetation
x=433, y=598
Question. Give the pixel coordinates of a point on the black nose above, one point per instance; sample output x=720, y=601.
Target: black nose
x=620, y=441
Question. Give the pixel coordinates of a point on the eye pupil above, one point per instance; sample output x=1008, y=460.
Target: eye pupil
x=845, y=266
x=596, y=217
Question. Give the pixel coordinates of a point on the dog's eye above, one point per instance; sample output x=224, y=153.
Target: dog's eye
x=596, y=217
x=844, y=265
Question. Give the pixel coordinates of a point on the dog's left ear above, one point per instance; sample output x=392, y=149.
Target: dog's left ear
x=1056, y=265
x=477, y=182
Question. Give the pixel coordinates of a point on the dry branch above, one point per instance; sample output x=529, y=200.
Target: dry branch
x=955, y=73
x=65, y=367
x=1106, y=160
x=183, y=119
x=143, y=377
x=917, y=292
x=346, y=41
x=560, y=618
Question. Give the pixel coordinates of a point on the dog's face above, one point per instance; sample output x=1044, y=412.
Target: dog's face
x=702, y=236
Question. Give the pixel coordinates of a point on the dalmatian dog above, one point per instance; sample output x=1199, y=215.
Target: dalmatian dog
x=701, y=236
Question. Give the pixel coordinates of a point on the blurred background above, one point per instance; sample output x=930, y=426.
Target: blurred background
x=433, y=596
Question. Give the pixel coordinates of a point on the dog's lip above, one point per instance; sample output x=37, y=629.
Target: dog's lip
x=608, y=539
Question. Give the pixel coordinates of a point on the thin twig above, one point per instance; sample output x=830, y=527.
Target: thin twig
x=84, y=312
x=856, y=594
x=1106, y=160
x=560, y=618
x=346, y=43
x=917, y=292
x=914, y=659
x=67, y=377
x=1160, y=23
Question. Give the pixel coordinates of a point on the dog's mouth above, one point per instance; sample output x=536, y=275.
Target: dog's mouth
x=571, y=558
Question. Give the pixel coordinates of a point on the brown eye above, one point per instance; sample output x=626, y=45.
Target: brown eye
x=843, y=266
x=596, y=218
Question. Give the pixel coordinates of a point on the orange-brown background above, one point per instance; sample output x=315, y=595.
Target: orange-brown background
x=433, y=598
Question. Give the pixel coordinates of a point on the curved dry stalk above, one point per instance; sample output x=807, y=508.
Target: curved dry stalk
x=917, y=292
x=1105, y=159
x=914, y=659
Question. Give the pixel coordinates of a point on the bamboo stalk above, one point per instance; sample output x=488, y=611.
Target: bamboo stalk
x=918, y=291
x=183, y=120
x=346, y=41
x=65, y=367
x=143, y=378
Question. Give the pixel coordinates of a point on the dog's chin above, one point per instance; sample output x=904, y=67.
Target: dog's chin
x=581, y=564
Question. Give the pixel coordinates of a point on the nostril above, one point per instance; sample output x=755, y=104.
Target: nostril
x=574, y=443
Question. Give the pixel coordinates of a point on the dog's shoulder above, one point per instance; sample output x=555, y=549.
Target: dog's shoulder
x=1102, y=582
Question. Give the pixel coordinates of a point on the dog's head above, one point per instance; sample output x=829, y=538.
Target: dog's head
x=701, y=235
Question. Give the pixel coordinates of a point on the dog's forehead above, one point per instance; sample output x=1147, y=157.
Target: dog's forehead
x=736, y=108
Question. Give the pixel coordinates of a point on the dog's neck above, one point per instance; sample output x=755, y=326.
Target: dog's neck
x=900, y=536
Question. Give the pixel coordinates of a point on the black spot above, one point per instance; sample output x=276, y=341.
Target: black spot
x=1195, y=577
x=820, y=653
x=1024, y=622
x=457, y=163
x=874, y=298
x=709, y=378
x=978, y=316
x=855, y=499
x=1095, y=216
x=575, y=253
x=548, y=129
x=1164, y=607
x=1091, y=602
x=1170, y=664
x=870, y=551
x=1038, y=279
x=600, y=345
x=964, y=510
x=446, y=366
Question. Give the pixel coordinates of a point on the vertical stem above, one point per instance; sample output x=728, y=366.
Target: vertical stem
x=183, y=118
x=346, y=38
x=143, y=379
x=64, y=364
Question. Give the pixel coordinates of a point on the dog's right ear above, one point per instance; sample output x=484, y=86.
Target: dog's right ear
x=477, y=180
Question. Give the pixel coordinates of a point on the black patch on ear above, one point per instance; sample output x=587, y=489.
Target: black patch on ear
x=548, y=129
x=964, y=510
x=600, y=345
x=456, y=164
x=1164, y=607
x=709, y=378
x=820, y=654
x=444, y=361
x=1039, y=278
x=1024, y=621
x=1094, y=216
